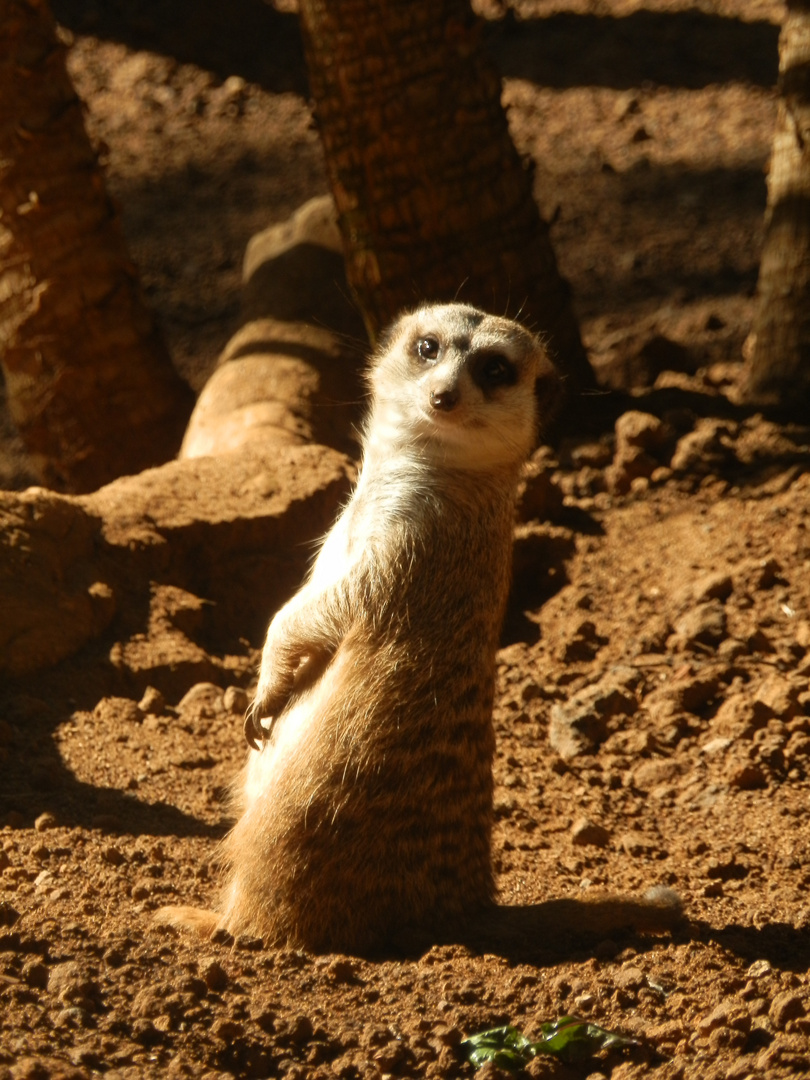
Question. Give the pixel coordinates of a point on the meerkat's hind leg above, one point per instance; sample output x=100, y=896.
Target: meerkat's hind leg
x=201, y=921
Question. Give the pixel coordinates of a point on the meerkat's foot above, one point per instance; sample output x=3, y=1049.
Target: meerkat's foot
x=200, y=921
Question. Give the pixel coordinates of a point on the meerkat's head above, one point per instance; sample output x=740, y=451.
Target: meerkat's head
x=456, y=386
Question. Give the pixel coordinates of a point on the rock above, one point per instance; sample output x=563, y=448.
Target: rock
x=585, y=833
x=704, y=624
x=735, y=718
x=594, y=455
x=660, y=353
x=652, y=773
x=71, y=983
x=640, y=430
x=227, y=1030
x=666, y=1035
x=629, y=978
x=729, y=1013
x=635, y=465
x=300, y=1029
x=717, y=585
x=756, y=575
x=777, y=697
x=152, y=702
x=706, y=449
x=149, y=1001
x=117, y=712
x=45, y=821
x=253, y=514
x=50, y=1068
x=214, y=976
x=488, y=1071
x=235, y=700
x=113, y=855
x=203, y=699
x=36, y=974
x=746, y=776
x=784, y=1007
x=759, y=969
x=716, y=746
x=786, y=1055
x=653, y=636
x=797, y=748
x=581, y=724
x=639, y=436
x=342, y=970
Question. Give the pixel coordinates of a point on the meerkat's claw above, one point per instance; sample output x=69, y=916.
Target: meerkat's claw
x=250, y=732
x=257, y=728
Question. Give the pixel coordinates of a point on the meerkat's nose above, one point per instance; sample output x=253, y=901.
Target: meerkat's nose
x=445, y=399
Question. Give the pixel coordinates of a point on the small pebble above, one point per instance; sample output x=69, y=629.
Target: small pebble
x=203, y=698
x=214, y=976
x=629, y=978
x=113, y=855
x=235, y=700
x=747, y=777
x=784, y=1007
x=152, y=702
x=585, y=833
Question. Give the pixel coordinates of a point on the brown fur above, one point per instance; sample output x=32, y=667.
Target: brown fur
x=367, y=804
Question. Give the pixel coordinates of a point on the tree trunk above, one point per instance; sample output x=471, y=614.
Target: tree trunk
x=90, y=384
x=433, y=200
x=779, y=366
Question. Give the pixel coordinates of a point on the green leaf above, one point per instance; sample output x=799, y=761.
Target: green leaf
x=569, y=1038
x=573, y=1039
x=505, y=1046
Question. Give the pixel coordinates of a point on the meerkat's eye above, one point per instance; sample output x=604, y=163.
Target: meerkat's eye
x=428, y=348
x=493, y=370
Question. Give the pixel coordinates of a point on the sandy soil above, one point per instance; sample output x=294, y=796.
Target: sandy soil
x=653, y=714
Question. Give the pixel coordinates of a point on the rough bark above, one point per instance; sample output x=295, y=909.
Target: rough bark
x=90, y=384
x=433, y=199
x=779, y=365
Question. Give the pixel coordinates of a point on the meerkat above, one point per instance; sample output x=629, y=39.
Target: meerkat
x=366, y=808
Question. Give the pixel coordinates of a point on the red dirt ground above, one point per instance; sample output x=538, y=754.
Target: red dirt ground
x=653, y=715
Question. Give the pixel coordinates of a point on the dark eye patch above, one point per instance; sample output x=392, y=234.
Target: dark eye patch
x=490, y=370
